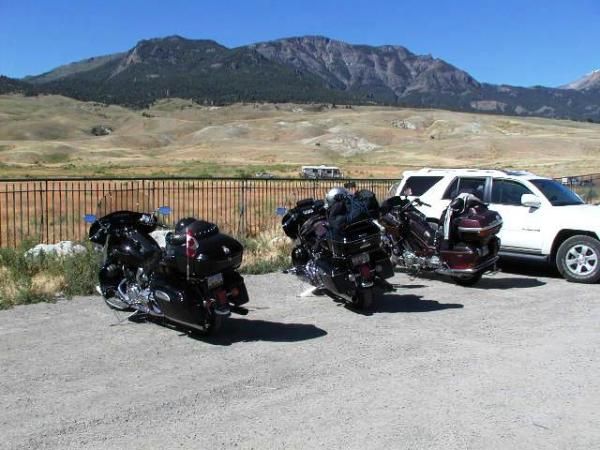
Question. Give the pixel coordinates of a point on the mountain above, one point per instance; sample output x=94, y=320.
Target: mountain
x=72, y=68
x=304, y=69
x=176, y=67
x=590, y=81
x=385, y=73
x=538, y=101
x=11, y=85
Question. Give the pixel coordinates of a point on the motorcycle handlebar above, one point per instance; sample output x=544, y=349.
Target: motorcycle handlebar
x=103, y=227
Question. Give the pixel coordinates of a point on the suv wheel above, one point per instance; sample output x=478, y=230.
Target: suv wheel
x=578, y=259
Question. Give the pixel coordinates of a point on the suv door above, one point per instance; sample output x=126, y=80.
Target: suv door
x=521, y=225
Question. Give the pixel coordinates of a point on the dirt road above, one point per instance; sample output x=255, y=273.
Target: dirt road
x=512, y=363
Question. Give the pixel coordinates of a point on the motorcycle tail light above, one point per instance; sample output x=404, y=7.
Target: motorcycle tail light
x=490, y=231
x=191, y=244
x=365, y=271
x=486, y=233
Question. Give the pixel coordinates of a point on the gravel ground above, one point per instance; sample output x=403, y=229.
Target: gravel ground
x=513, y=362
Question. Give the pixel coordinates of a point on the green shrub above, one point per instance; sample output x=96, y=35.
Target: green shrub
x=267, y=252
x=27, y=279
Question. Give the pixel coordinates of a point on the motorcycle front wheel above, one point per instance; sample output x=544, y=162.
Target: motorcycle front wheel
x=115, y=303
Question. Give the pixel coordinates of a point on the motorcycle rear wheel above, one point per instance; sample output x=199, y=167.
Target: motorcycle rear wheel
x=363, y=298
x=468, y=281
x=212, y=324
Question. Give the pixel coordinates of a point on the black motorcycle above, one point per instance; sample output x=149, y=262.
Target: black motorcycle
x=347, y=264
x=193, y=282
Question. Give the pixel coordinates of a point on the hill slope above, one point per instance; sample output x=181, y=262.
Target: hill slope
x=53, y=135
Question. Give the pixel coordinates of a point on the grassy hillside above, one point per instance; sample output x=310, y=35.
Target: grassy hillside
x=51, y=135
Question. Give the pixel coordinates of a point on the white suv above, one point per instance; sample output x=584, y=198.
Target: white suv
x=543, y=219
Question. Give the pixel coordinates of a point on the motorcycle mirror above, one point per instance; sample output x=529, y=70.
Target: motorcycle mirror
x=164, y=210
x=89, y=218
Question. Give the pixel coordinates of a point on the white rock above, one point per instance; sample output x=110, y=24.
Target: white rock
x=63, y=248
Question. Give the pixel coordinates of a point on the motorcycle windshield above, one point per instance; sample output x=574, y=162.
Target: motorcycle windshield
x=132, y=200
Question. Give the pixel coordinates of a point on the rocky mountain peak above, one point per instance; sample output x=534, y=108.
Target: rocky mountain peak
x=589, y=81
x=388, y=71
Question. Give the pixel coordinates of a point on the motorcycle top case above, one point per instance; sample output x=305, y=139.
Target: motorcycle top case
x=295, y=217
x=205, y=251
x=356, y=238
x=477, y=224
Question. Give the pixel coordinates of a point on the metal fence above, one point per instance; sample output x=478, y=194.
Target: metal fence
x=51, y=210
x=587, y=186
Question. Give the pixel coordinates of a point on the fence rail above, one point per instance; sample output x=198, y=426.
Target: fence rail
x=51, y=210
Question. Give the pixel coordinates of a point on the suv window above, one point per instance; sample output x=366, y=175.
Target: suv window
x=465, y=184
x=507, y=192
x=556, y=193
x=419, y=185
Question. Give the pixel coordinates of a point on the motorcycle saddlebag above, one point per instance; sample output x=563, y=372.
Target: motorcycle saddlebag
x=232, y=280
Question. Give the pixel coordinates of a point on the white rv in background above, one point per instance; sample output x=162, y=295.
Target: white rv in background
x=321, y=172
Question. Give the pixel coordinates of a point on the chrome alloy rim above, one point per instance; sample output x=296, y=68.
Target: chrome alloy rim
x=581, y=259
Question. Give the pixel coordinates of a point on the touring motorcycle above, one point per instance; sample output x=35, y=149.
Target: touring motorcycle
x=347, y=264
x=464, y=245
x=193, y=282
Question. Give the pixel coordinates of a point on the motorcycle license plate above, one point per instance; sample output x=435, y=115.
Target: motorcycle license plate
x=215, y=280
x=363, y=258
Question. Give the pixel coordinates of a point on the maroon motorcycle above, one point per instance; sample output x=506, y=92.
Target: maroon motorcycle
x=464, y=244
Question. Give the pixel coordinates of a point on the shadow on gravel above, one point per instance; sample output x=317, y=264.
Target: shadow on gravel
x=488, y=282
x=244, y=330
x=534, y=269
x=507, y=283
x=396, y=303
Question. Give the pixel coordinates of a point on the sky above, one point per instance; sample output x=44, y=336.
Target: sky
x=524, y=43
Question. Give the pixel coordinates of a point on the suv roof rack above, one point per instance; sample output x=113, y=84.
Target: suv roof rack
x=490, y=171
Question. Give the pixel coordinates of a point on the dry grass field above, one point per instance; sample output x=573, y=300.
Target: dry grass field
x=51, y=135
